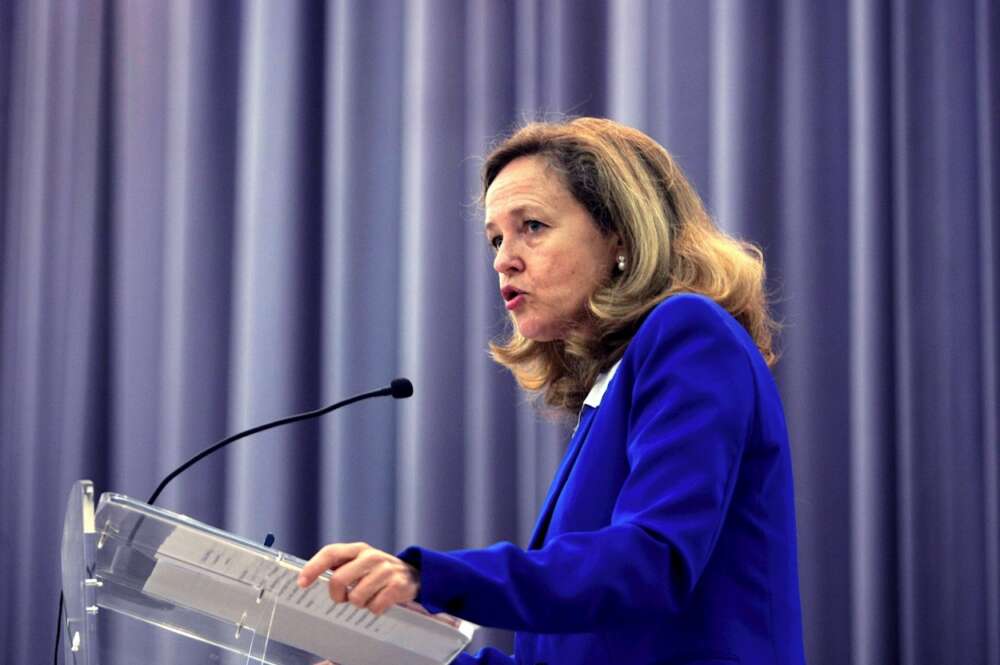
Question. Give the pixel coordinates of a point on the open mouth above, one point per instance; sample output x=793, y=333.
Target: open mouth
x=513, y=298
x=509, y=293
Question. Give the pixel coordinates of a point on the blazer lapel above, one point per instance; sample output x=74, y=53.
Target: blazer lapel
x=555, y=489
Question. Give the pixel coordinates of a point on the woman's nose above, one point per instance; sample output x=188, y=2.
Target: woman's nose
x=507, y=260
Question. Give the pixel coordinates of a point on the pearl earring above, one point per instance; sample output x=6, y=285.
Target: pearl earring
x=621, y=263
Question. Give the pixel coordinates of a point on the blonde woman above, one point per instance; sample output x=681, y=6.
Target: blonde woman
x=668, y=535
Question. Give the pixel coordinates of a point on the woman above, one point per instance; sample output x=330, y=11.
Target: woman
x=668, y=535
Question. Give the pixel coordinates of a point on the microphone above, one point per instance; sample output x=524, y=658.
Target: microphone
x=401, y=388
x=398, y=388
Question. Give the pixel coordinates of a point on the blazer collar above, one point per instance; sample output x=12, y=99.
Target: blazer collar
x=555, y=489
x=590, y=404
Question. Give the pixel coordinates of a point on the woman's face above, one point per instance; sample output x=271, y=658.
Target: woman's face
x=550, y=255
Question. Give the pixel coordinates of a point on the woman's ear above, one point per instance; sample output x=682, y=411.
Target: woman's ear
x=615, y=245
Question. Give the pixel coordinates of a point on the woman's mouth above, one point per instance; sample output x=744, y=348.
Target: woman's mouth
x=515, y=302
x=513, y=297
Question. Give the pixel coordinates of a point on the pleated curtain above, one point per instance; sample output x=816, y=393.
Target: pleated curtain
x=213, y=214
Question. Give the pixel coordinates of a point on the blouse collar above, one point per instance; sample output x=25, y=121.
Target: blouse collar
x=596, y=394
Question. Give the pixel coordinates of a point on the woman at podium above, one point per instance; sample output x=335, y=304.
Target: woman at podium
x=668, y=535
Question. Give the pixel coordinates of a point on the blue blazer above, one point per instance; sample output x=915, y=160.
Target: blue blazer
x=668, y=534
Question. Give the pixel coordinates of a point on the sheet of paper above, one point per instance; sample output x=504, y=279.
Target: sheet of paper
x=234, y=584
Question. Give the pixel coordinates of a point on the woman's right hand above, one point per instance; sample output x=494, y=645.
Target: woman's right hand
x=363, y=575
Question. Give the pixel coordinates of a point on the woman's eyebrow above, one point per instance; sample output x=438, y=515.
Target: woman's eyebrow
x=520, y=210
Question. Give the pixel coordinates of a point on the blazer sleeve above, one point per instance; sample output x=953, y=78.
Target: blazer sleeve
x=692, y=404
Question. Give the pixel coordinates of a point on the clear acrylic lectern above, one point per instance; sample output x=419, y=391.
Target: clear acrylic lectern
x=145, y=585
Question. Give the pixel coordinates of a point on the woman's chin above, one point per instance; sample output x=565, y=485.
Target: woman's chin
x=536, y=331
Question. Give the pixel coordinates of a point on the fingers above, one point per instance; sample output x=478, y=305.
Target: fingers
x=349, y=574
x=401, y=588
x=368, y=586
x=330, y=557
x=384, y=586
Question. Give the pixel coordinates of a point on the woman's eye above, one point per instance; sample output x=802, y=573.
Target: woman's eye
x=533, y=225
x=495, y=242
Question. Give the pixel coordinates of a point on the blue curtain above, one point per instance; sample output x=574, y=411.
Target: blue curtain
x=217, y=213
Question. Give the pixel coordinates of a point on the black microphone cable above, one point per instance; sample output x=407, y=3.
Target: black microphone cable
x=398, y=389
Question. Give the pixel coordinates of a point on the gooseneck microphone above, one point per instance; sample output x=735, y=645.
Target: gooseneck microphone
x=398, y=389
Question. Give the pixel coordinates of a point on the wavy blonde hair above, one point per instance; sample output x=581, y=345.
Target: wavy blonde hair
x=631, y=186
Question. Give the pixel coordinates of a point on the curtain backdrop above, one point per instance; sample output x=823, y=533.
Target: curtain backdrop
x=216, y=213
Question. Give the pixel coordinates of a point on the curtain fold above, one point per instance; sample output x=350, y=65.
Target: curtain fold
x=200, y=154
x=987, y=27
x=874, y=550
x=360, y=300
x=275, y=355
x=215, y=214
x=432, y=274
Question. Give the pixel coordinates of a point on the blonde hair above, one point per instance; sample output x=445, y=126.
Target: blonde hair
x=631, y=186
